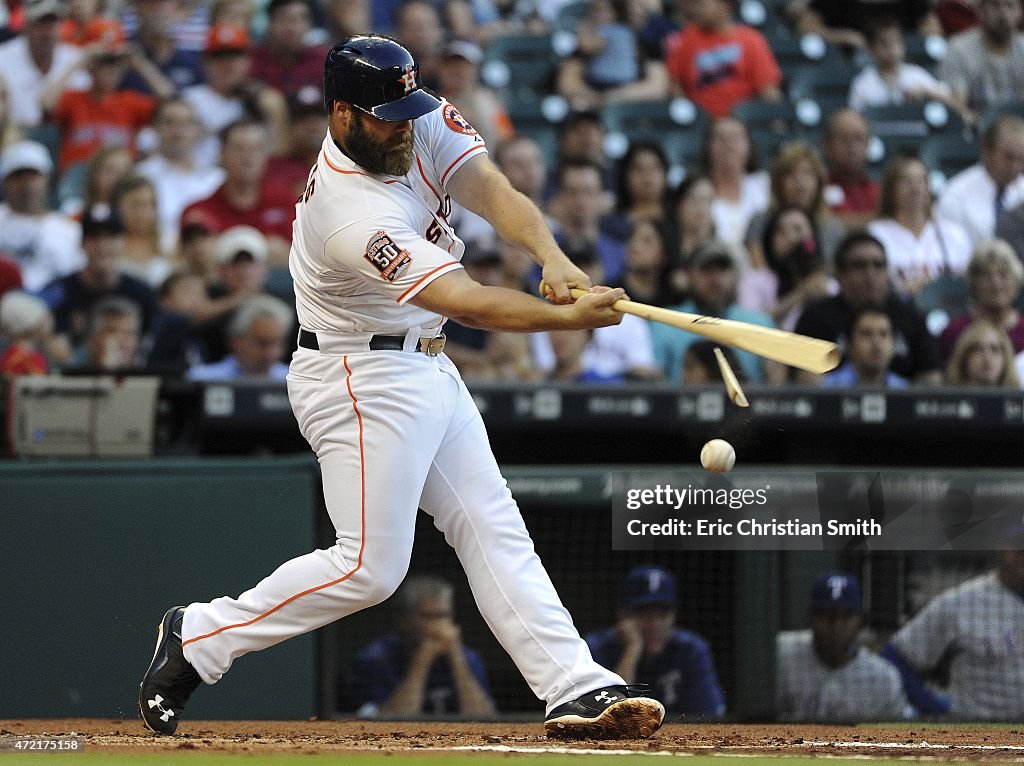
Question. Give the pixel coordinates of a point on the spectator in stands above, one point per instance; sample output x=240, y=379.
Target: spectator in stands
x=284, y=60
x=197, y=252
x=241, y=13
x=43, y=243
x=1010, y=227
x=26, y=329
x=977, y=196
x=869, y=352
x=692, y=207
x=994, y=280
x=10, y=275
x=717, y=63
x=982, y=356
x=973, y=632
x=614, y=354
x=700, y=366
x=890, y=80
x=104, y=115
x=459, y=74
x=863, y=273
x=844, y=23
x=422, y=667
x=794, y=273
x=178, y=178
x=851, y=193
x=248, y=195
x=256, y=337
x=9, y=131
x=35, y=60
x=642, y=192
x=646, y=265
x=189, y=27
x=581, y=137
x=134, y=200
x=797, y=179
x=72, y=298
x=156, y=43
x=113, y=338
x=714, y=275
x=608, y=65
x=307, y=126
x=345, y=18
x=824, y=674
x=241, y=253
x=230, y=95
x=742, y=190
x=581, y=202
x=108, y=166
x=176, y=339
x=418, y=27
x=516, y=268
x=522, y=161
x=984, y=66
x=645, y=646
x=921, y=243
x=71, y=29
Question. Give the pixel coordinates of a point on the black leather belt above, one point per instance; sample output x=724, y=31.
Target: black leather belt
x=431, y=346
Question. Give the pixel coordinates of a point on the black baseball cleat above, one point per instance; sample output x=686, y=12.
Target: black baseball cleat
x=614, y=712
x=170, y=680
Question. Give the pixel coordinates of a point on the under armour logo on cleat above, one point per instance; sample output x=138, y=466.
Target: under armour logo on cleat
x=156, y=703
x=605, y=697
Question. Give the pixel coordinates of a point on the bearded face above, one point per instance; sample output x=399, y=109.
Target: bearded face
x=390, y=156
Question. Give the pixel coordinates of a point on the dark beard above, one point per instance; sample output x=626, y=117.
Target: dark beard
x=390, y=158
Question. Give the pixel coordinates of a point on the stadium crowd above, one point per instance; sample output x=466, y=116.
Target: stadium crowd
x=853, y=171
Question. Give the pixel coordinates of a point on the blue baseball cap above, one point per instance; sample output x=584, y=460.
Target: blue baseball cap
x=836, y=590
x=648, y=585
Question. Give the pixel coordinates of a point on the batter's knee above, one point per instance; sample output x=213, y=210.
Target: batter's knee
x=380, y=573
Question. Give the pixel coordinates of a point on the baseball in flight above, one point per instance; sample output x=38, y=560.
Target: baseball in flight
x=718, y=456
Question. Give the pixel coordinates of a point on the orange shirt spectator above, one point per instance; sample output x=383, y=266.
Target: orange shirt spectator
x=89, y=123
x=719, y=64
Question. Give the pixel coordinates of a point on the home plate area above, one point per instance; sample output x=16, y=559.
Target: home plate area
x=920, y=741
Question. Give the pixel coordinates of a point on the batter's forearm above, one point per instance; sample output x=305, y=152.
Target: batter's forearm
x=498, y=308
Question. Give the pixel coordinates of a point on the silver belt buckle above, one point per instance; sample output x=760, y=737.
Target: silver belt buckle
x=432, y=346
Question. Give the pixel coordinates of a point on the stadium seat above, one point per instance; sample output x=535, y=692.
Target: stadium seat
x=794, y=52
x=71, y=185
x=523, y=66
x=767, y=116
x=905, y=127
x=1012, y=107
x=942, y=299
x=570, y=15
x=826, y=85
x=947, y=155
x=925, y=51
x=652, y=116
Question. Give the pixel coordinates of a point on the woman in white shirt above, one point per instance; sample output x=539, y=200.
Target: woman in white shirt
x=741, y=190
x=919, y=244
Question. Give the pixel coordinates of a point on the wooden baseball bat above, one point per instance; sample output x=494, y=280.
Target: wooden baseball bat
x=811, y=354
x=732, y=385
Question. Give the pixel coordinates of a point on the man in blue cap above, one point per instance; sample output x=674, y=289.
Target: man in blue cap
x=823, y=674
x=645, y=646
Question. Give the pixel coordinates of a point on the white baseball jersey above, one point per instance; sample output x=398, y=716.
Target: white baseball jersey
x=865, y=689
x=393, y=430
x=981, y=623
x=364, y=245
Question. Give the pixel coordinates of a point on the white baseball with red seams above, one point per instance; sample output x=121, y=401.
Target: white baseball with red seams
x=393, y=431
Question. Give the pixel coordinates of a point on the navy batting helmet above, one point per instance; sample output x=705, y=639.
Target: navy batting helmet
x=377, y=75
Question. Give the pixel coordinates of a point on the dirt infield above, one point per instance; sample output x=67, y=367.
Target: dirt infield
x=977, y=743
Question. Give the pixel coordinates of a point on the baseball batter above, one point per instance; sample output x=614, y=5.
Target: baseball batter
x=376, y=271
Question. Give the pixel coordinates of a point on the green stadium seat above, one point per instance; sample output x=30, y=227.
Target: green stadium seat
x=947, y=155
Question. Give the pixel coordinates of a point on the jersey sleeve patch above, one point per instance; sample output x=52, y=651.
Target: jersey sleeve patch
x=387, y=257
x=456, y=121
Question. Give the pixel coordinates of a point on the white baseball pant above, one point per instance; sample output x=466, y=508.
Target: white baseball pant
x=394, y=430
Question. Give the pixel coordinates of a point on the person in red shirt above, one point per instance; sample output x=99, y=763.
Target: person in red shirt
x=283, y=60
x=248, y=196
x=717, y=63
x=307, y=125
x=102, y=116
x=851, y=194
